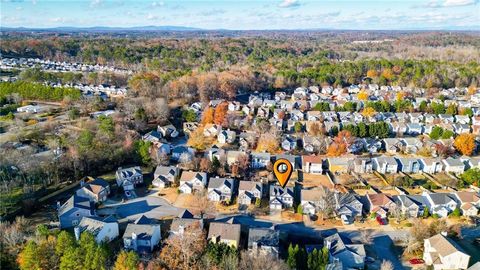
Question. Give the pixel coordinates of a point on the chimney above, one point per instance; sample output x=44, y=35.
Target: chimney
x=76, y=231
x=444, y=233
x=328, y=244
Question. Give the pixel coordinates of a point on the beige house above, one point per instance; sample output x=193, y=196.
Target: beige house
x=443, y=253
x=224, y=233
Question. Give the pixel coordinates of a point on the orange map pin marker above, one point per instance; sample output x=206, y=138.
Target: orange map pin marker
x=283, y=170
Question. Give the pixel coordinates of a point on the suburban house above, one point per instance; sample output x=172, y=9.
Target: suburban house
x=291, y=158
x=393, y=145
x=165, y=176
x=180, y=150
x=249, y=192
x=312, y=164
x=409, y=165
x=220, y=189
x=211, y=130
x=73, y=210
x=310, y=199
x=142, y=236
x=192, y=181
x=103, y=229
x=385, y=164
x=281, y=198
x=431, y=165
x=348, y=206
x=224, y=233
x=259, y=160
x=410, y=205
x=443, y=253
x=97, y=190
x=168, y=131
x=289, y=143
x=152, y=136
x=264, y=240
x=339, y=165
x=128, y=178
x=453, y=165
x=341, y=248
x=469, y=202
x=179, y=225
x=362, y=165
x=380, y=203
x=441, y=204
x=226, y=136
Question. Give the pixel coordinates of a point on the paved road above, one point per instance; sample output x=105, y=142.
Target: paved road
x=383, y=248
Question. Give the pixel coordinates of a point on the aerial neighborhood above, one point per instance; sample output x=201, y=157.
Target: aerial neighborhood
x=358, y=161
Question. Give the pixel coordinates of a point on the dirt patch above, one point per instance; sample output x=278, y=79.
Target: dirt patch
x=184, y=200
x=316, y=180
x=290, y=216
x=170, y=194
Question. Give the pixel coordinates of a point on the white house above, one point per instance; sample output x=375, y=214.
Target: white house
x=220, y=189
x=441, y=204
x=385, y=164
x=312, y=164
x=192, y=181
x=281, y=198
x=249, y=192
x=142, y=236
x=165, y=176
x=103, y=229
x=431, y=165
x=453, y=165
x=129, y=177
x=443, y=253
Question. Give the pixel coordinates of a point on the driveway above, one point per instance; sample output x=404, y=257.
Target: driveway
x=383, y=246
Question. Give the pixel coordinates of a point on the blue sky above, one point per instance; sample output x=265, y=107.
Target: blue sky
x=243, y=14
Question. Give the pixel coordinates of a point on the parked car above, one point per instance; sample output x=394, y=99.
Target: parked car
x=416, y=261
x=381, y=221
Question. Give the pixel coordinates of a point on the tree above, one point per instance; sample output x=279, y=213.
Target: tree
x=106, y=125
x=386, y=265
x=465, y=143
x=456, y=212
x=298, y=127
x=368, y=112
x=340, y=143
x=372, y=73
x=65, y=241
x=221, y=113
x=73, y=113
x=300, y=209
x=268, y=142
x=142, y=148
x=426, y=212
x=207, y=116
x=362, y=95
x=28, y=259
x=292, y=256
x=126, y=260
x=251, y=260
x=189, y=115
x=451, y=109
x=198, y=140
x=184, y=251
x=436, y=132
x=471, y=176
x=326, y=202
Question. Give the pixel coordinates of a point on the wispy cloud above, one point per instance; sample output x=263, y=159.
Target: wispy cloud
x=450, y=3
x=289, y=3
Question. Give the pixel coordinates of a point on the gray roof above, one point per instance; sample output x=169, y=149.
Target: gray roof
x=142, y=231
x=224, y=231
x=441, y=198
x=94, y=224
x=185, y=222
x=263, y=237
x=76, y=202
x=218, y=182
x=165, y=170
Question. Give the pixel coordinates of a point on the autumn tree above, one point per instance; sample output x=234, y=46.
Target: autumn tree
x=183, y=251
x=372, y=73
x=368, y=112
x=127, y=260
x=465, y=143
x=362, y=95
x=340, y=143
x=198, y=140
x=220, y=113
x=208, y=115
x=268, y=142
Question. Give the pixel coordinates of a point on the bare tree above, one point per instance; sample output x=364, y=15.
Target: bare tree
x=386, y=265
x=204, y=205
x=251, y=260
x=326, y=203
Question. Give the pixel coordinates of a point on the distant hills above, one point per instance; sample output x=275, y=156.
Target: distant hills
x=103, y=28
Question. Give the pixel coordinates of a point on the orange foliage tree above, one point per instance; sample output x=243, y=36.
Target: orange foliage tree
x=372, y=73
x=387, y=74
x=340, y=143
x=368, y=112
x=268, y=143
x=362, y=95
x=220, y=113
x=207, y=116
x=465, y=143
